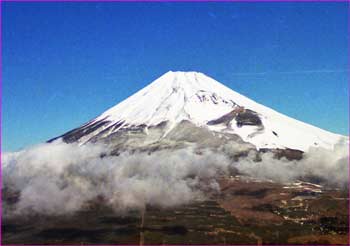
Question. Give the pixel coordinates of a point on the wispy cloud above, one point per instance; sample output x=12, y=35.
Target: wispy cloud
x=293, y=72
x=212, y=15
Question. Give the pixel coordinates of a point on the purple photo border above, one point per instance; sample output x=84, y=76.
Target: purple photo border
x=214, y=1
x=0, y=122
x=256, y=1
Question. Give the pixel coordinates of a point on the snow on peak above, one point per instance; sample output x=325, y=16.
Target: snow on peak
x=176, y=96
x=167, y=99
x=193, y=96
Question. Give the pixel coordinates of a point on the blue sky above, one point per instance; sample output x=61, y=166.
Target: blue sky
x=65, y=63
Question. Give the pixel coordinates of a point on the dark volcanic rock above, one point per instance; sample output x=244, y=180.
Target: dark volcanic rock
x=243, y=117
x=77, y=133
x=248, y=117
x=290, y=154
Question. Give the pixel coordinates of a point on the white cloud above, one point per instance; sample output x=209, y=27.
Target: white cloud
x=60, y=178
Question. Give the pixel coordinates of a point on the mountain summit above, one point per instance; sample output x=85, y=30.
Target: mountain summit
x=192, y=100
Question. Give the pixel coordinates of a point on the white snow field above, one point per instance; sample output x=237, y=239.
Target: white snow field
x=195, y=97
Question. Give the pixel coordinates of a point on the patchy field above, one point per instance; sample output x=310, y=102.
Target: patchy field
x=246, y=211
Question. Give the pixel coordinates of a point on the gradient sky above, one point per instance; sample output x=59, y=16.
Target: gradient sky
x=65, y=63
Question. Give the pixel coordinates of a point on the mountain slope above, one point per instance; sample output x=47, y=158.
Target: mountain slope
x=198, y=99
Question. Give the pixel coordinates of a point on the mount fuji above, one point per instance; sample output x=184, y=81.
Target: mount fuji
x=182, y=108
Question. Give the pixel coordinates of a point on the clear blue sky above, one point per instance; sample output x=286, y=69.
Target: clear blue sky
x=65, y=63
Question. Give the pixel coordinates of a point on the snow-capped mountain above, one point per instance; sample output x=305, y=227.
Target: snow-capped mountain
x=193, y=98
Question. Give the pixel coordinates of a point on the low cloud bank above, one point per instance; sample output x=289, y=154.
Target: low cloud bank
x=59, y=178
x=322, y=165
